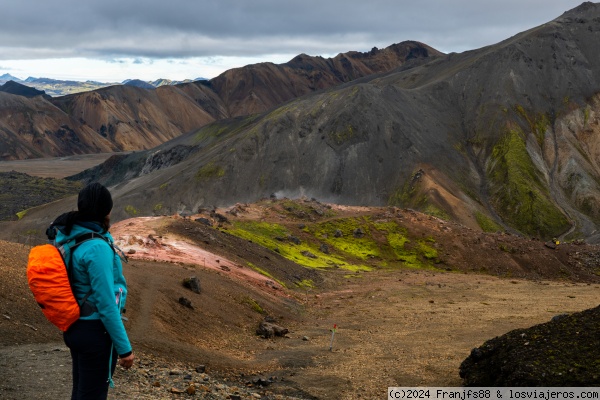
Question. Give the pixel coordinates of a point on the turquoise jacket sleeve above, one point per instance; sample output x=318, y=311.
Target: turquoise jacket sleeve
x=96, y=259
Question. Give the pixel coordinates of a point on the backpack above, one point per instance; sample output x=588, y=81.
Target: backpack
x=48, y=276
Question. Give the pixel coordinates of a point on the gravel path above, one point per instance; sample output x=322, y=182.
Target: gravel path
x=43, y=371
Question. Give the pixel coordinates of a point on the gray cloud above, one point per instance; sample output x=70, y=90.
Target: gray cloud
x=32, y=29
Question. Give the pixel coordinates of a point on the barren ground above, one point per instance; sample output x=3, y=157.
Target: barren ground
x=58, y=167
x=394, y=327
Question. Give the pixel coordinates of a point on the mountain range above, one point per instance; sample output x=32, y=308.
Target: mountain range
x=58, y=87
x=129, y=117
x=499, y=138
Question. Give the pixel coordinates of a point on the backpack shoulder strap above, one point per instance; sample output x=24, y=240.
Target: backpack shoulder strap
x=88, y=236
x=66, y=251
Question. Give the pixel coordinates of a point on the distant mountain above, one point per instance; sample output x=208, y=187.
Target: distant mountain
x=139, y=83
x=503, y=138
x=8, y=77
x=21, y=90
x=162, y=82
x=56, y=87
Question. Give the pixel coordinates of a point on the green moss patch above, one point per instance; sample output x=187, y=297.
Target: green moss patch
x=131, y=210
x=486, y=223
x=253, y=304
x=353, y=244
x=518, y=193
x=210, y=171
x=306, y=284
x=265, y=273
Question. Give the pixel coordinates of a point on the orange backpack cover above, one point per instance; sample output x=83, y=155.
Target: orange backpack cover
x=49, y=282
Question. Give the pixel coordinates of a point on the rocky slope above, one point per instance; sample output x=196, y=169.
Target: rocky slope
x=502, y=137
x=562, y=352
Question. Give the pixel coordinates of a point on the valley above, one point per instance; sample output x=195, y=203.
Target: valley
x=56, y=167
x=395, y=326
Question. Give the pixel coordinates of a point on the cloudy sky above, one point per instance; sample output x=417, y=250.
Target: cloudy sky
x=113, y=40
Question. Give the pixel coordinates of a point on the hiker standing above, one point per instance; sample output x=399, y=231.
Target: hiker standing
x=98, y=337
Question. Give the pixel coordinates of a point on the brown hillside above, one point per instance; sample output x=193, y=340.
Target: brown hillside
x=34, y=127
x=259, y=87
x=133, y=118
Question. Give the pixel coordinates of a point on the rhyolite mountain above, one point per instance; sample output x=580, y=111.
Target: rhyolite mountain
x=126, y=117
x=506, y=137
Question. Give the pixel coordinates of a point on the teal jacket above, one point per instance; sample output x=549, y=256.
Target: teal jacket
x=96, y=267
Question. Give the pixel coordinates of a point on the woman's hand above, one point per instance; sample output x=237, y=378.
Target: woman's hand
x=126, y=362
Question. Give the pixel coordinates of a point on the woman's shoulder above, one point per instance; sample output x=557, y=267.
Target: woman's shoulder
x=82, y=236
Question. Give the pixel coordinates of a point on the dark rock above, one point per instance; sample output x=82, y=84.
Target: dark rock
x=204, y=221
x=201, y=369
x=221, y=218
x=559, y=317
x=185, y=302
x=358, y=233
x=166, y=158
x=324, y=248
x=294, y=239
x=338, y=233
x=308, y=254
x=262, y=381
x=192, y=283
x=269, y=318
x=269, y=330
x=559, y=353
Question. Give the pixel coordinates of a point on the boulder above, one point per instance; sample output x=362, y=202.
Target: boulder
x=185, y=302
x=204, y=221
x=269, y=330
x=562, y=352
x=192, y=283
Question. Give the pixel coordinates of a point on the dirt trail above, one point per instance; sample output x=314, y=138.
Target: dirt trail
x=35, y=371
x=396, y=329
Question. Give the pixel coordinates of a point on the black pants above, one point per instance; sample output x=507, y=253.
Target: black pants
x=90, y=347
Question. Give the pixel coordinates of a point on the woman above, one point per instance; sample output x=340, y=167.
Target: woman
x=98, y=337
